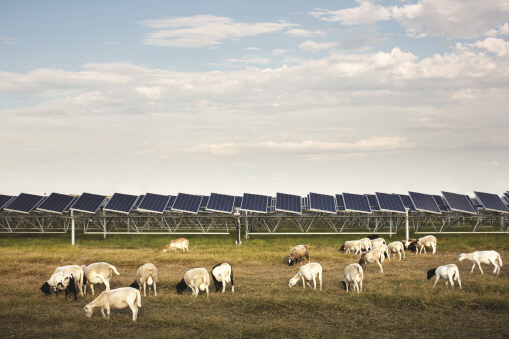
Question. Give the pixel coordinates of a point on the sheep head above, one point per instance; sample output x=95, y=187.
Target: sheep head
x=462, y=257
x=88, y=311
x=431, y=273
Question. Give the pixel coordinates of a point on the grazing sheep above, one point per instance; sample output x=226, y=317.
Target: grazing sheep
x=427, y=241
x=116, y=299
x=296, y=253
x=198, y=279
x=177, y=244
x=307, y=273
x=484, y=257
x=365, y=244
x=353, y=275
x=378, y=241
x=352, y=245
x=447, y=272
x=78, y=274
x=146, y=275
x=60, y=281
x=97, y=273
x=382, y=248
x=222, y=274
x=371, y=257
x=397, y=247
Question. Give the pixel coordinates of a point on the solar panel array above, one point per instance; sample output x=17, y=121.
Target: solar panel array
x=24, y=203
x=121, y=203
x=459, y=202
x=322, y=203
x=390, y=202
x=153, y=203
x=88, y=203
x=441, y=203
x=491, y=202
x=187, y=203
x=373, y=202
x=255, y=203
x=56, y=203
x=424, y=202
x=220, y=203
x=356, y=203
x=288, y=203
x=5, y=199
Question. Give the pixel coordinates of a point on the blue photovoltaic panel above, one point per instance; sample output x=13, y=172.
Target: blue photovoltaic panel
x=24, y=203
x=505, y=200
x=138, y=201
x=373, y=202
x=74, y=198
x=153, y=203
x=424, y=202
x=459, y=202
x=340, y=202
x=255, y=203
x=441, y=203
x=407, y=202
x=187, y=203
x=322, y=203
x=238, y=202
x=172, y=202
x=121, y=203
x=506, y=195
x=56, y=203
x=88, y=203
x=288, y=203
x=356, y=203
x=220, y=203
x=5, y=199
x=475, y=202
x=204, y=201
x=390, y=202
x=491, y=202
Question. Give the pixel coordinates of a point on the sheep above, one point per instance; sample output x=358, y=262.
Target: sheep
x=116, y=299
x=372, y=256
x=222, y=274
x=412, y=245
x=397, y=247
x=299, y=251
x=382, y=248
x=60, y=281
x=350, y=246
x=97, y=273
x=378, y=241
x=427, y=241
x=353, y=275
x=365, y=244
x=78, y=274
x=198, y=279
x=177, y=244
x=307, y=273
x=146, y=275
x=373, y=236
x=484, y=257
x=447, y=272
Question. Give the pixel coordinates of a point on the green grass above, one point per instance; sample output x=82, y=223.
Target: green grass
x=399, y=303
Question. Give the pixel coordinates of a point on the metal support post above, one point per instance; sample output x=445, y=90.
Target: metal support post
x=390, y=227
x=247, y=227
x=237, y=224
x=73, y=228
x=407, y=225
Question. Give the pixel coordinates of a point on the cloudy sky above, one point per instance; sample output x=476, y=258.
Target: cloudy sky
x=257, y=97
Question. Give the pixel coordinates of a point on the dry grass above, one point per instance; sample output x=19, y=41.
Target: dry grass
x=399, y=303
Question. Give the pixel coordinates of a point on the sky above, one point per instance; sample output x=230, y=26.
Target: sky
x=254, y=97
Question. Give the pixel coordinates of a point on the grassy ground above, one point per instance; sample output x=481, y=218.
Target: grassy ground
x=399, y=303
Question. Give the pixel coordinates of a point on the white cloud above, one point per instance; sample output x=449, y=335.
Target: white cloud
x=317, y=46
x=279, y=51
x=304, y=33
x=493, y=45
x=8, y=41
x=254, y=49
x=367, y=13
x=263, y=61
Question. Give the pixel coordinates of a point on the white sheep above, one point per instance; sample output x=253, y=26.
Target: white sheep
x=397, y=247
x=78, y=274
x=308, y=272
x=372, y=256
x=427, y=241
x=353, y=275
x=198, y=279
x=296, y=253
x=97, y=273
x=447, y=272
x=378, y=241
x=116, y=299
x=222, y=274
x=365, y=244
x=60, y=281
x=177, y=244
x=146, y=275
x=382, y=248
x=484, y=257
x=352, y=245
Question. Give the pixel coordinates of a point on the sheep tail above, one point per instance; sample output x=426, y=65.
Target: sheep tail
x=500, y=260
x=114, y=269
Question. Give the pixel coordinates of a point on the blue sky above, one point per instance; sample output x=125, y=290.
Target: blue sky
x=259, y=97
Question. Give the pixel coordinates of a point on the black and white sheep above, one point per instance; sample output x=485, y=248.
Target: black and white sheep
x=353, y=275
x=116, y=299
x=198, y=279
x=146, y=275
x=78, y=274
x=97, y=273
x=60, y=281
x=296, y=253
x=351, y=246
x=483, y=257
x=447, y=272
x=308, y=272
x=221, y=275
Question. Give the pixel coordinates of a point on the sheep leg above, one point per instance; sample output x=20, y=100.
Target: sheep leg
x=494, y=264
x=434, y=247
x=381, y=269
x=458, y=279
x=320, y=277
x=314, y=282
x=360, y=283
x=135, y=311
x=473, y=266
x=479, y=264
x=224, y=284
x=207, y=289
x=155, y=289
x=451, y=280
x=92, y=288
x=436, y=280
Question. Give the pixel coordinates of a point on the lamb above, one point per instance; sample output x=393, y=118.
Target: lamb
x=60, y=281
x=177, y=244
x=198, y=279
x=118, y=298
x=397, y=247
x=296, y=253
x=382, y=248
x=427, y=241
x=97, y=273
x=351, y=246
x=146, y=275
x=372, y=256
x=378, y=241
x=484, y=257
x=353, y=275
x=78, y=274
x=365, y=244
x=307, y=273
x=447, y=272
x=222, y=274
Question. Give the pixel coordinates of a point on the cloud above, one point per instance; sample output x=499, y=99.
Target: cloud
x=304, y=33
x=493, y=45
x=204, y=30
x=367, y=13
x=317, y=46
x=8, y=41
x=263, y=61
x=279, y=51
x=254, y=49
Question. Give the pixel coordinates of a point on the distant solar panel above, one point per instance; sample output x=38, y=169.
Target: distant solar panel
x=238, y=202
x=424, y=202
x=88, y=203
x=288, y=203
x=138, y=201
x=121, y=203
x=505, y=200
x=441, y=203
x=459, y=202
x=204, y=201
x=74, y=198
x=491, y=202
x=23, y=203
x=475, y=202
x=255, y=203
x=356, y=203
x=56, y=203
x=506, y=195
x=220, y=203
x=373, y=202
x=5, y=199
x=322, y=203
x=390, y=202
x=187, y=203
x=340, y=202
x=304, y=201
x=172, y=202
x=153, y=203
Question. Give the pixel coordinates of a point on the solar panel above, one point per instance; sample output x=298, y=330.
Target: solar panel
x=255, y=203
x=390, y=202
x=24, y=203
x=88, y=203
x=459, y=202
x=204, y=201
x=138, y=201
x=356, y=203
x=424, y=202
x=238, y=202
x=322, y=203
x=121, y=203
x=475, y=202
x=172, y=202
x=187, y=203
x=373, y=202
x=340, y=202
x=153, y=203
x=221, y=203
x=304, y=201
x=441, y=203
x=288, y=203
x=506, y=194
x=56, y=203
x=74, y=198
x=5, y=199
x=491, y=202
x=505, y=200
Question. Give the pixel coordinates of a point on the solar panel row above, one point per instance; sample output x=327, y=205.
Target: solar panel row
x=154, y=203
x=459, y=202
x=390, y=202
x=5, y=199
x=288, y=203
x=88, y=203
x=322, y=203
x=121, y=203
x=221, y=203
x=491, y=202
x=255, y=203
x=187, y=203
x=356, y=203
x=56, y=203
x=24, y=203
x=424, y=202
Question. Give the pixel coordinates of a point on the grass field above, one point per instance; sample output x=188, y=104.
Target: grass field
x=399, y=303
